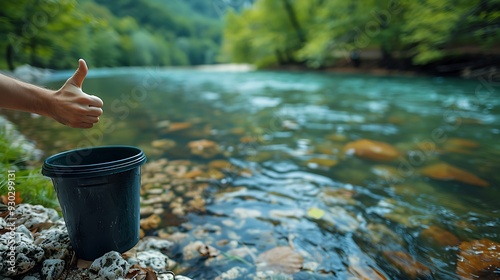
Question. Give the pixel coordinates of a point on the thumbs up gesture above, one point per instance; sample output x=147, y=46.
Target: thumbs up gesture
x=71, y=106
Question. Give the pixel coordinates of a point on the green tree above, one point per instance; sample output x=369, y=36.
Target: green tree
x=33, y=28
x=268, y=33
x=320, y=32
x=429, y=27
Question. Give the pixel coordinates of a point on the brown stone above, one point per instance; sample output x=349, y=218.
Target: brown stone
x=444, y=171
x=193, y=174
x=248, y=139
x=151, y=222
x=280, y=259
x=439, y=236
x=362, y=270
x=479, y=259
x=163, y=144
x=214, y=174
x=464, y=143
x=179, y=126
x=220, y=164
x=372, y=150
x=407, y=264
x=204, y=148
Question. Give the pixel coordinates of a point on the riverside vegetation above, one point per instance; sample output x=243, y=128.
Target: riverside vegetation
x=446, y=37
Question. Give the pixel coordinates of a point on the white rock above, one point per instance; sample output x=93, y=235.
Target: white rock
x=233, y=273
x=3, y=224
x=32, y=215
x=147, y=210
x=340, y=219
x=268, y=274
x=110, y=266
x=24, y=231
x=150, y=242
x=244, y=213
x=52, y=268
x=55, y=242
x=152, y=259
x=180, y=277
x=26, y=254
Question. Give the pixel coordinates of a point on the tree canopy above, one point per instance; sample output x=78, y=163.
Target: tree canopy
x=314, y=33
x=319, y=33
x=53, y=34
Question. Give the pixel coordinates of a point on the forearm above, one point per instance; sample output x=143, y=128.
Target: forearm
x=17, y=95
x=68, y=105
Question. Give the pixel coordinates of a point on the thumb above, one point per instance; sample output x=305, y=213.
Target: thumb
x=80, y=73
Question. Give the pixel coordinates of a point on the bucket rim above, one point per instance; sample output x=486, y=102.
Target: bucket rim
x=51, y=169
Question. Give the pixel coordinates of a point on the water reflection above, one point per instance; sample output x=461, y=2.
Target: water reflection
x=291, y=182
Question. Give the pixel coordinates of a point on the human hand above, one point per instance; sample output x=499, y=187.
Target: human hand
x=71, y=106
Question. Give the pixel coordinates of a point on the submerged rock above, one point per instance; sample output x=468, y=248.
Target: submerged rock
x=408, y=265
x=439, y=236
x=360, y=269
x=338, y=196
x=233, y=273
x=151, y=222
x=177, y=126
x=388, y=173
x=336, y=218
x=383, y=236
x=221, y=164
x=398, y=212
x=281, y=259
x=444, y=171
x=163, y=144
x=204, y=148
x=198, y=249
x=459, y=145
x=479, y=259
x=372, y=150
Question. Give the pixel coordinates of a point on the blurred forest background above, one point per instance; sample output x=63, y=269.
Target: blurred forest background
x=449, y=36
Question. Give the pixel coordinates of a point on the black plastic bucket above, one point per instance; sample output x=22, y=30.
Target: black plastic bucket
x=98, y=189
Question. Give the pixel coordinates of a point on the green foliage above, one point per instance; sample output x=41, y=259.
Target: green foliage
x=263, y=34
x=54, y=34
x=28, y=182
x=424, y=31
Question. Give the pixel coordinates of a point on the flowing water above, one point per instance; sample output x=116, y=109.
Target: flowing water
x=344, y=214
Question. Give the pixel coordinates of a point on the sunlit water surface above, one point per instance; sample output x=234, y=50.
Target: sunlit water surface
x=340, y=214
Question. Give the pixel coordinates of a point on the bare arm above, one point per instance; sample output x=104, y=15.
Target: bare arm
x=69, y=105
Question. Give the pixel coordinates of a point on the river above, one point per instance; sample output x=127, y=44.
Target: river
x=303, y=180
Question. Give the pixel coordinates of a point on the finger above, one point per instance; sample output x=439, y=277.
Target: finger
x=95, y=101
x=85, y=125
x=90, y=119
x=93, y=111
x=80, y=74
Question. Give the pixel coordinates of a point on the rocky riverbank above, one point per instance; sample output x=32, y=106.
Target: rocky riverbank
x=34, y=243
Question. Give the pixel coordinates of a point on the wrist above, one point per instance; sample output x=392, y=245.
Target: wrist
x=40, y=99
